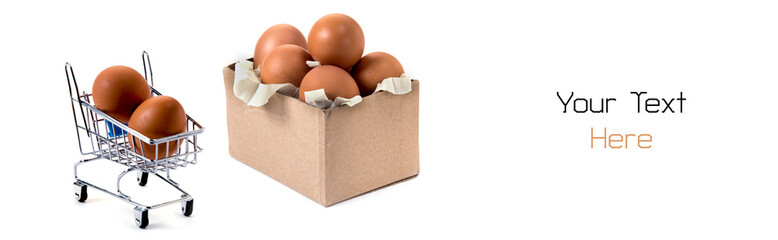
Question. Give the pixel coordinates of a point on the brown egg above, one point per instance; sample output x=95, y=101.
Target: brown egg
x=118, y=90
x=275, y=36
x=285, y=64
x=334, y=80
x=374, y=68
x=336, y=39
x=157, y=117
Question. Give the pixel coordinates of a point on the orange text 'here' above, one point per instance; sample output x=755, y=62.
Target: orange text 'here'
x=621, y=140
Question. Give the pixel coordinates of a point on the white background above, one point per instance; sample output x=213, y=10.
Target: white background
x=499, y=159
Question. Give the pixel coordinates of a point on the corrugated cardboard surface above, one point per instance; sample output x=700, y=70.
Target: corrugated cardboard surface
x=331, y=155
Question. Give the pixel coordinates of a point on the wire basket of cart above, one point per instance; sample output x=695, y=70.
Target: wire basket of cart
x=100, y=136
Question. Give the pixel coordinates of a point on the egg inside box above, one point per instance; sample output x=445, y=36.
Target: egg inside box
x=327, y=155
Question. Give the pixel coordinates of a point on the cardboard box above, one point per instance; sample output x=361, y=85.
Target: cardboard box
x=327, y=155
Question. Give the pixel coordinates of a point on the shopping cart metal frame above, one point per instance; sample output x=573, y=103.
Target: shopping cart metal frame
x=105, y=143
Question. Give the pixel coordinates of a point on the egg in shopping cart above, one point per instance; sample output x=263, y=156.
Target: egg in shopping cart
x=118, y=90
x=155, y=118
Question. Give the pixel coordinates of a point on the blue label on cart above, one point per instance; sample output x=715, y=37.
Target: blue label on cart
x=114, y=130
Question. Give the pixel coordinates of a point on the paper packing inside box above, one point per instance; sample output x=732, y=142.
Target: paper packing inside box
x=249, y=88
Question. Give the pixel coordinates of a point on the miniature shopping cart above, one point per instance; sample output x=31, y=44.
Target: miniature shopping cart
x=103, y=137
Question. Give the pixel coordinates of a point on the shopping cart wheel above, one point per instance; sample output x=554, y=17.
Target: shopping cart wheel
x=143, y=178
x=80, y=192
x=141, y=217
x=187, y=207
